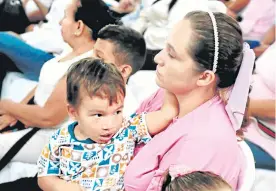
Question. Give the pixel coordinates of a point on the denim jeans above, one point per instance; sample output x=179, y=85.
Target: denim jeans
x=253, y=43
x=28, y=60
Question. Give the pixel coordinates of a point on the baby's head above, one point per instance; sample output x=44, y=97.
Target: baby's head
x=179, y=180
x=95, y=93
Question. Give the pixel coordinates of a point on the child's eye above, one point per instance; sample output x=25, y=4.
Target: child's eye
x=97, y=115
x=118, y=112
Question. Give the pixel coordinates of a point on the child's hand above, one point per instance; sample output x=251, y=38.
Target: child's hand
x=157, y=121
x=170, y=107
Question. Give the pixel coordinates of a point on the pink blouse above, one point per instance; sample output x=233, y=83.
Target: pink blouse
x=258, y=17
x=203, y=139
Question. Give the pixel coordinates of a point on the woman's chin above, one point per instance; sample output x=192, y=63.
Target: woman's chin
x=158, y=82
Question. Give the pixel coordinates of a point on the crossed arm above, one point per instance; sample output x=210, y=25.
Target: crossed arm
x=268, y=39
x=263, y=109
x=38, y=14
x=51, y=114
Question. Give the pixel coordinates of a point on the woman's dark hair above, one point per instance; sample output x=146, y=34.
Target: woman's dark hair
x=172, y=3
x=202, y=46
x=195, y=181
x=95, y=15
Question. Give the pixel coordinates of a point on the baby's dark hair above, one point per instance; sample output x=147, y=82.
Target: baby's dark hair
x=93, y=77
x=195, y=181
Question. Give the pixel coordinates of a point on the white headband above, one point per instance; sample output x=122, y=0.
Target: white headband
x=214, y=22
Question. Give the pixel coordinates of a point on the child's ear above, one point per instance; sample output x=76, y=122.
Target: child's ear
x=72, y=112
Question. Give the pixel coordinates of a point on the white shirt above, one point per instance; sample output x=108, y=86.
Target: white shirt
x=51, y=72
x=157, y=22
x=130, y=104
x=47, y=36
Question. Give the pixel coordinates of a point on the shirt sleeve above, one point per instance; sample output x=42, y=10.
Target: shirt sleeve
x=139, y=129
x=49, y=161
x=141, y=23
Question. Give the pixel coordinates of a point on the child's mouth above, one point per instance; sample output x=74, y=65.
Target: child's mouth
x=106, y=137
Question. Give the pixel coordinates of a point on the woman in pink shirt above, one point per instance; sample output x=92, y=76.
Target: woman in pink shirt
x=201, y=61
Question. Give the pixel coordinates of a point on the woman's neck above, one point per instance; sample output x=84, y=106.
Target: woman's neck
x=192, y=100
x=82, y=46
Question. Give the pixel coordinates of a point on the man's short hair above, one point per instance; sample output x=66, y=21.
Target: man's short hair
x=130, y=46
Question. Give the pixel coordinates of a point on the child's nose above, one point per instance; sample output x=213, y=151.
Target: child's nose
x=108, y=124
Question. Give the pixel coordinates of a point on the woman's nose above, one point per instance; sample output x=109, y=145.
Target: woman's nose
x=158, y=58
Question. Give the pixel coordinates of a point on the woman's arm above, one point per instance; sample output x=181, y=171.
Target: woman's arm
x=54, y=183
x=237, y=5
x=268, y=39
x=8, y=120
x=53, y=112
x=264, y=109
x=42, y=8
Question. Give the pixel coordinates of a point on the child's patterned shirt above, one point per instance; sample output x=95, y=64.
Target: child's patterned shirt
x=94, y=166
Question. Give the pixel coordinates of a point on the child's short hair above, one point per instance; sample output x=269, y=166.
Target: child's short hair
x=95, y=78
x=195, y=181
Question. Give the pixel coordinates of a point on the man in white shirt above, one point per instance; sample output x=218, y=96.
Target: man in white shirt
x=127, y=49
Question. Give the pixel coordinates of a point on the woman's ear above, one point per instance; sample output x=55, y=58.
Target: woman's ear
x=205, y=78
x=125, y=70
x=72, y=112
x=80, y=28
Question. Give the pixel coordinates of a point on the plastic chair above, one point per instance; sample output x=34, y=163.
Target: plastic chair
x=249, y=173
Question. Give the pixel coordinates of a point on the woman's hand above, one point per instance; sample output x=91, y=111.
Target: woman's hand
x=170, y=107
x=2, y=110
x=7, y=120
x=3, y=106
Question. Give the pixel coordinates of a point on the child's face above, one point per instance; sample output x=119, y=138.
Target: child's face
x=97, y=119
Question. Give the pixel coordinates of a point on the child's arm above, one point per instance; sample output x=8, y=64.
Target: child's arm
x=54, y=183
x=159, y=120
